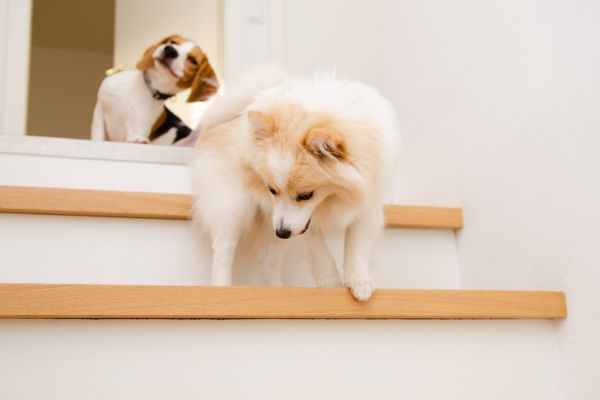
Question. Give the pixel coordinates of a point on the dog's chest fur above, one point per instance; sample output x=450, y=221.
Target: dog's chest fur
x=128, y=105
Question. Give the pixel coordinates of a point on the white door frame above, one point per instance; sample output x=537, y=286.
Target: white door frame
x=15, y=23
x=254, y=35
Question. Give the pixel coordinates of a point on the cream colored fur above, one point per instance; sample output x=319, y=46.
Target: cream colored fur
x=299, y=158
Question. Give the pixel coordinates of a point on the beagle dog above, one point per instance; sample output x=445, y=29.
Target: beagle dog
x=130, y=105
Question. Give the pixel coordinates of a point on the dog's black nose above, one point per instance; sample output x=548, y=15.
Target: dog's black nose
x=283, y=233
x=170, y=52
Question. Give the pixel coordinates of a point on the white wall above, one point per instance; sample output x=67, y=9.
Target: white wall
x=502, y=100
x=254, y=35
x=141, y=23
x=499, y=107
x=3, y=44
x=334, y=34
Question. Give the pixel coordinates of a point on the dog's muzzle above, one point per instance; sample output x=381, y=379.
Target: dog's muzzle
x=306, y=227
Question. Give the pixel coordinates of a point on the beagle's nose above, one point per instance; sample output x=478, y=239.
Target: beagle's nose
x=170, y=52
x=283, y=233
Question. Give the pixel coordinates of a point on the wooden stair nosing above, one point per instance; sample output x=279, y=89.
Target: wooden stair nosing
x=103, y=203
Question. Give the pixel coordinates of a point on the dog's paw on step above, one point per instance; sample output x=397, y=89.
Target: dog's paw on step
x=362, y=288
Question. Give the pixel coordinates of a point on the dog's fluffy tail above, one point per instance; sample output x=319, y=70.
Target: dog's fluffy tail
x=231, y=104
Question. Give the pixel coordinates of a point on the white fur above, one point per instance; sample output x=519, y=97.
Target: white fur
x=281, y=165
x=227, y=107
x=125, y=109
x=230, y=212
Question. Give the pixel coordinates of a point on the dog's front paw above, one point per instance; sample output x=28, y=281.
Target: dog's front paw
x=362, y=288
x=362, y=291
x=139, y=140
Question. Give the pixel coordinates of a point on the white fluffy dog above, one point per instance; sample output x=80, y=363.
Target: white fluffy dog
x=283, y=158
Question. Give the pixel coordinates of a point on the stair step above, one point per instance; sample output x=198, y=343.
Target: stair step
x=104, y=203
x=195, y=302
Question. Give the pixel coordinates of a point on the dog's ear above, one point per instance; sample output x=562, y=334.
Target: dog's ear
x=324, y=144
x=263, y=124
x=147, y=62
x=205, y=83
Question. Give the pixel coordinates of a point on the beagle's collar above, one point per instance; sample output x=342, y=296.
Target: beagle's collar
x=156, y=94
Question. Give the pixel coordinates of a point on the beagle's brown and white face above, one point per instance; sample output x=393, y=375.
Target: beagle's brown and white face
x=185, y=63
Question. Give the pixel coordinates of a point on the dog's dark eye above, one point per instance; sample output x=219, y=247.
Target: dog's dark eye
x=273, y=191
x=193, y=60
x=304, y=196
x=172, y=42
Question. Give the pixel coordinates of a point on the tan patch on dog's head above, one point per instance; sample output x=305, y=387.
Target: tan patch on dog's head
x=147, y=61
x=263, y=124
x=325, y=142
x=310, y=149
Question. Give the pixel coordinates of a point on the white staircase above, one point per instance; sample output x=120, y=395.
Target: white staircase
x=229, y=359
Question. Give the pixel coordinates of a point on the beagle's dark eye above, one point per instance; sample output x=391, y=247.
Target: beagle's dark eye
x=172, y=42
x=304, y=196
x=192, y=60
x=273, y=191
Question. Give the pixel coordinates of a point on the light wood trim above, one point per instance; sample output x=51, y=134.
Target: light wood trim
x=397, y=216
x=96, y=203
x=102, y=203
x=126, y=301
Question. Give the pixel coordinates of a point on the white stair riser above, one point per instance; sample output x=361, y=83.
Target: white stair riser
x=29, y=170
x=493, y=360
x=60, y=249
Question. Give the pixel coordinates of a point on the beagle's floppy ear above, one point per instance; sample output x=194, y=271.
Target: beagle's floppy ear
x=147, y=61
x=205, y=83
x=325, y=144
